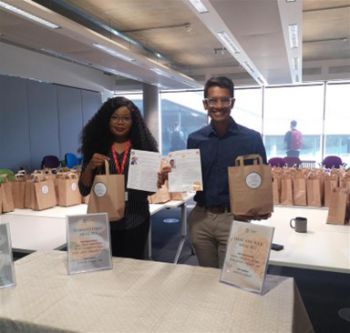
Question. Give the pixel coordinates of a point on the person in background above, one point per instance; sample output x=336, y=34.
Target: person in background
x=220, y=143
x=112, y=132
x=293, y=140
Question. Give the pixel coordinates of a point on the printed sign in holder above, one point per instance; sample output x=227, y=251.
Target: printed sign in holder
x=7, y=271
x=247, y=255
x=88, y=238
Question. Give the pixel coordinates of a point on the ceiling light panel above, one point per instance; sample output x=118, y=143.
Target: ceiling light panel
x=199, y=6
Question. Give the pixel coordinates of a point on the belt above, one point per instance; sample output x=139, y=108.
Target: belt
x=218, y=209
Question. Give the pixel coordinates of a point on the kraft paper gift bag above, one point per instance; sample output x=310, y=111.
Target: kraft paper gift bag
x=339, y=200
x=67, y=189
x=108, y=195
x=313, y=190
x=6, y=194
x=179, y=196
x=286, y=188
x=18, y=190
x=161, y=196
x=276, y=185
x=250, y=188
x=330, y=182
x=43, y=193
x=299, y=189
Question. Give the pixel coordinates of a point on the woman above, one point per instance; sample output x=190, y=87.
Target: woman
x=112, y=132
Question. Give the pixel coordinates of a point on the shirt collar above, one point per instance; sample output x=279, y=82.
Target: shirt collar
x=232, y=128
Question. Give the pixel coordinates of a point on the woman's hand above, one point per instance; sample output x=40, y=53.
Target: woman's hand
x=96, y=161
x=163, y=175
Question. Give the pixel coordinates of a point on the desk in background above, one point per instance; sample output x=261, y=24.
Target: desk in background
x=324, y=247
x=143, y=296
x=46, y=230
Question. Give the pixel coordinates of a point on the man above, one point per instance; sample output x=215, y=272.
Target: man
x=220, y=143
x=293, y=140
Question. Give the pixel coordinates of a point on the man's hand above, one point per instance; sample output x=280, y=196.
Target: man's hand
x=163, y=175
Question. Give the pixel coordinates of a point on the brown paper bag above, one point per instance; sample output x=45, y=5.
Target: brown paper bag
x=178, y=196
x=67, y=189
x=108, y=195
x=18, y=190
x=339, y=199
x=6, y=194
x=313, y=189
x=330, y=182
x=161, y=196
x=286, y=188
x=276, y=185
x=250, y=188
x=43, y=194
x=299, y=189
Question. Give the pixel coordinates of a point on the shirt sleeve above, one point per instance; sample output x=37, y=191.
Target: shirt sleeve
x=261, y=148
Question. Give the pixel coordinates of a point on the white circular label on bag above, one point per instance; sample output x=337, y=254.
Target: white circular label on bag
x=100, y=189
x=74, y=186
x=45, y=189
x=253, y=180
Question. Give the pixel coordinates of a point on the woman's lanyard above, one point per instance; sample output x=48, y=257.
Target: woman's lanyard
x=120, y=169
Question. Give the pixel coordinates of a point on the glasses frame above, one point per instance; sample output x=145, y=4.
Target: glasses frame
x=215, y=102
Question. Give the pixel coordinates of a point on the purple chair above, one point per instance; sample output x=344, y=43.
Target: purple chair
x=291, y=161
x=332, y=162
x=50, y=161
x=276, y=162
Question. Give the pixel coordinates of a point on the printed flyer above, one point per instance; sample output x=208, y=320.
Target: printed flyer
x=88, y=243
x=247, y=254
x=186, y=171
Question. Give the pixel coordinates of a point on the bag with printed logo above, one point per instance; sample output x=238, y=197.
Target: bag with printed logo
x=250, y=188
x=42, y=192
x=108, y=195
x=67, y=189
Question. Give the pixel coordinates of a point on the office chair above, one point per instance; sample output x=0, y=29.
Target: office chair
x=332, y=162
x=71, y=160
x=276, y=162
x=291, y=161
x=50, y=161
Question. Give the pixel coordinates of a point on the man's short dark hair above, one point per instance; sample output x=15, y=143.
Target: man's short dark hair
x=293, y=123
x=219, y=81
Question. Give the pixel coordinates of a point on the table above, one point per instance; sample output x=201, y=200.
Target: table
x=324, y=247
x=143, y=296
x=46, y=230
x=154, y=208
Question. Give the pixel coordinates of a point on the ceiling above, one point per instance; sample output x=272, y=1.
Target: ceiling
x=171, y=45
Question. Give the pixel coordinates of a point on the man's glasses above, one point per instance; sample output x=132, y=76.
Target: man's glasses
x=224, y=101
x=117, y=119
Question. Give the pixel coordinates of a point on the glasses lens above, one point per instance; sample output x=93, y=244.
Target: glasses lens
x=225, y=101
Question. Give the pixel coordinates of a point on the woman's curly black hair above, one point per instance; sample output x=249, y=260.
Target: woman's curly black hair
x=96, y=136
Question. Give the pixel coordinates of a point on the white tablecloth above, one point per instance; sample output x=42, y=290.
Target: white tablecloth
x=142, y=296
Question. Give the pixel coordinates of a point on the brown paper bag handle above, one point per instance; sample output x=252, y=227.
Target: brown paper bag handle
x=255, y=157
x=107, y=167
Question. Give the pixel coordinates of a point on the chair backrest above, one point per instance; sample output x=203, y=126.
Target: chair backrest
x=71, y=160
x=50, y=161
x=276, y=162
x=332, y=162
x=291, y=161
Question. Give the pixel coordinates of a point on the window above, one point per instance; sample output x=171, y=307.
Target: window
x=337, y=118
x=301, y=103
x=181, y=114
x=247, y=110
